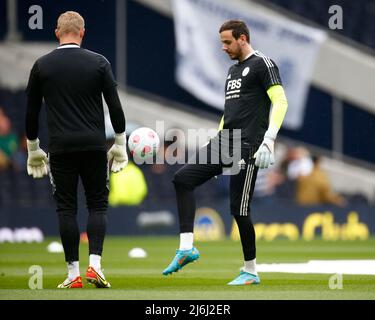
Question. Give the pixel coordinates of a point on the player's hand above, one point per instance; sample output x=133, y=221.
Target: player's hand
x=264, y=157
x=118, y=153
x=37, y=160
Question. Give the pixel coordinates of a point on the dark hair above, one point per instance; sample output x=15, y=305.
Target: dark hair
x=315, y=159
x=238, y=27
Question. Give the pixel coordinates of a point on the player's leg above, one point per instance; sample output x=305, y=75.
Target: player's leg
x=204, y=165
x=185, y=181
x=241, y=191
x=64, y=180
x=95, y=180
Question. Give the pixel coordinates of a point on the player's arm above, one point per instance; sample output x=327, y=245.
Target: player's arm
x=117, y=152
x=265, y=154
x=109, y=89
x=279, y=107
x=37, y=160
x=270, y=79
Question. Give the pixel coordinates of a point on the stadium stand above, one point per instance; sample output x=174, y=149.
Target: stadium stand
x=146, y=99
x=363, y=10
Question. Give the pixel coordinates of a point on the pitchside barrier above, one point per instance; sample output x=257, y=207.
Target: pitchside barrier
x=272, y=219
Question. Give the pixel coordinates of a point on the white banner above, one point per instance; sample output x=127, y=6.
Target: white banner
x=202, y=66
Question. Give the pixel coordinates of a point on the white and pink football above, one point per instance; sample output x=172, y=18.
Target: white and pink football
x=143, y=143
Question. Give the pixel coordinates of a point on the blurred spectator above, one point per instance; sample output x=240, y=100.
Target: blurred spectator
x=4, y=161
x=159, y=176
x=296, y=162
x=127, y=187
x=299, y=163
x=8, y=141
x=315, y=188
x=20, y=156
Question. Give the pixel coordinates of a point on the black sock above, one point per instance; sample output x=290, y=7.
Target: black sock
x=247, y=234
x=186, y=207
x=96, y=230
x=69, y=233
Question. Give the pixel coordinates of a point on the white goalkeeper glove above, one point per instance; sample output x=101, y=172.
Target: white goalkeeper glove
x=118, y=153
x=265, y=156
x=37, y=160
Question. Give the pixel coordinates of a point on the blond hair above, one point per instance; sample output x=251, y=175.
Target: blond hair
x=70, y=22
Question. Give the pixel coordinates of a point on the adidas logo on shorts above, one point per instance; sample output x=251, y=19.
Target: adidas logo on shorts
x=242, y=164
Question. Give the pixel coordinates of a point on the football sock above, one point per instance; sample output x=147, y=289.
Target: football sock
x=96, y=229
x=247, y=235
x=250, y=266
x=186, y=240
x=95, y=261
x=73, y=269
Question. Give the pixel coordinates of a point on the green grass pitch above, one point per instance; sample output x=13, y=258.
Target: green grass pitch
x=141, y=279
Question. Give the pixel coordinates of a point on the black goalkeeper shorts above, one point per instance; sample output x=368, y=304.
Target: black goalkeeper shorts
x=92, y=168
x=211, y=161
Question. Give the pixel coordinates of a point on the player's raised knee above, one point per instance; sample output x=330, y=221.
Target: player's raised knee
x=180, y=180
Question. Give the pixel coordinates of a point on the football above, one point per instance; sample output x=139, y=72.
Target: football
x=143, y=143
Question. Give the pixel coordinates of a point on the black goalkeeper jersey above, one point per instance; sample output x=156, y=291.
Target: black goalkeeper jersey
x=72, y=80
x=247, y=105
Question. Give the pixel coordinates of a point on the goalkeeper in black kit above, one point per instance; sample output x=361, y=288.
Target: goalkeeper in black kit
x=252, y=85
x=72, y=80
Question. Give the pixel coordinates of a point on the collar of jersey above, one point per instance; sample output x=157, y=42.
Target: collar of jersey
x=68, y=45
x=249, y=56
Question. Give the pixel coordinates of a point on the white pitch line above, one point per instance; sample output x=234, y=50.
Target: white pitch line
x=322, y=266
